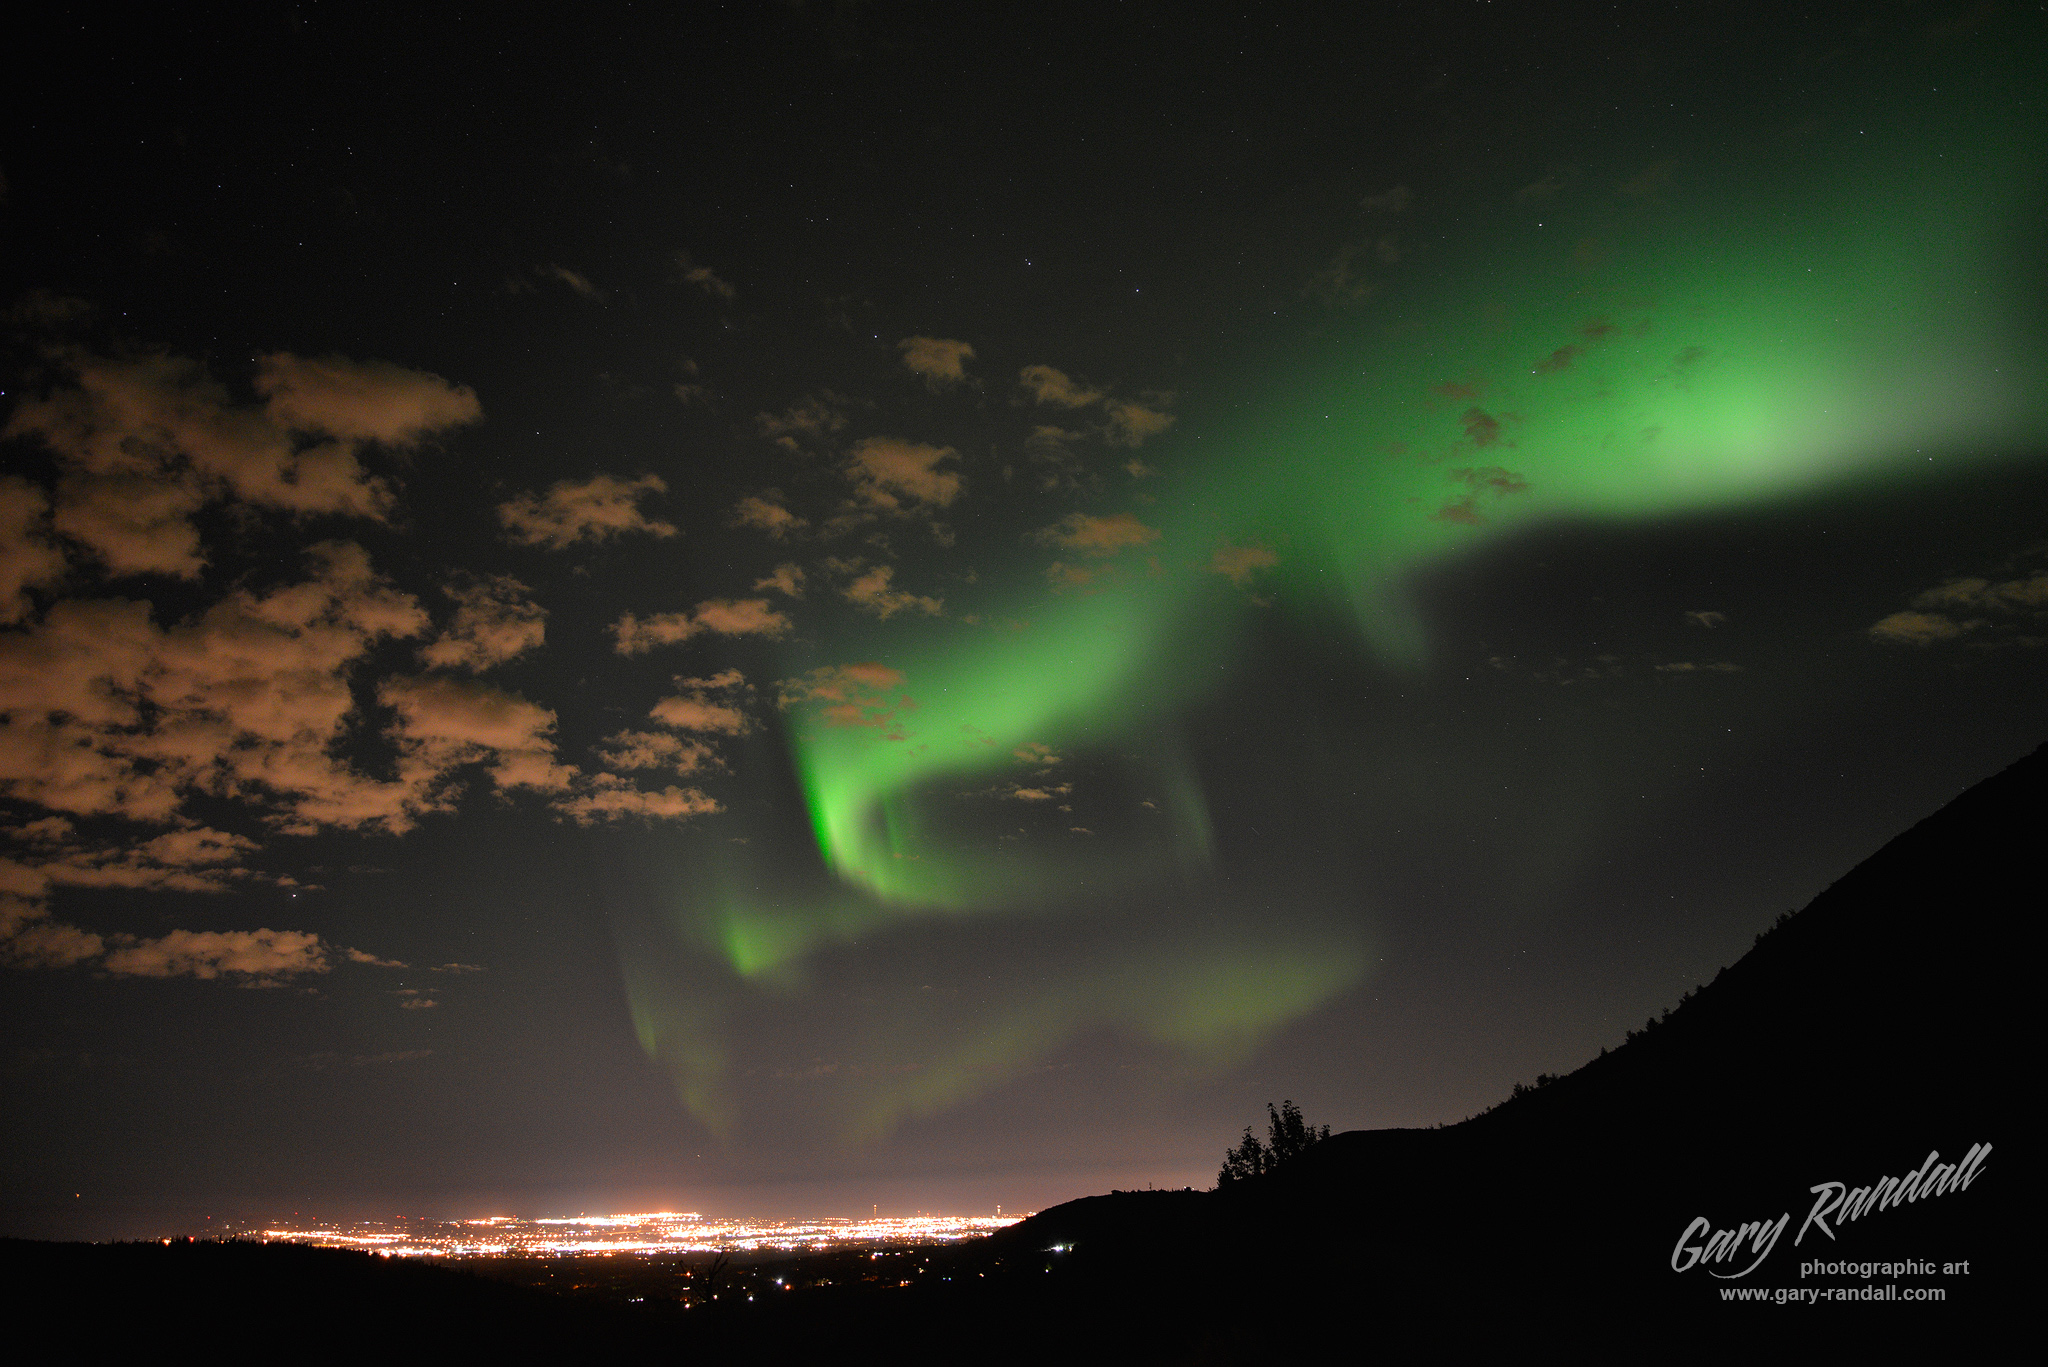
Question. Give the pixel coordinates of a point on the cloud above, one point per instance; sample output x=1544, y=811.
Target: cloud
x=1490, y=479
x=1483, y=479
x=445, y=724
x=766, y=512
x=630, y=750
x=1032, y=752
x=942, y=363
x=195, y=859
x=610, y=798
x=598, y=509
x=1557, y=360
x=1237, y=563
x=1708, y=619
x=2028, y=593
x=1096, y=535
x=1340, y=280
x=704, y=278
x=838, y=683
x=1064, y=576
x=1919, y=629
x=787, y=580
x=1048, y=446
x=696, y=712
x=361, y=400
x=1463, y=510
x=495, y=620
x=144, y=442
x=721, y=616
x=706, y=705
x=812, y=419
x=261, y=956
x=576, y=281
x=871, y=591
x=29, y=939
x=1131, y=424
x=1044, y=794
x=1688, y=667
x=105, y=713
x=1994, y=612
x=856, y=695
x=896, y=476
x=1054, y=387
x=29, y=559
x=1481, y=427
x=363, y=956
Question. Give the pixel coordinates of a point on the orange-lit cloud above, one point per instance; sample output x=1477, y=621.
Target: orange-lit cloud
x=940, y=361
x=633, y=635
x=1097, y=535
x=595, y=510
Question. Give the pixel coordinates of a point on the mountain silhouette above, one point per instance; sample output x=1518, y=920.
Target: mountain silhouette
x=1878, y=1025
x=1881, y=1024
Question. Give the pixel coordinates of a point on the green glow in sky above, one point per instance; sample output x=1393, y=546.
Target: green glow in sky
x=1686, y=358
x=1589, y=381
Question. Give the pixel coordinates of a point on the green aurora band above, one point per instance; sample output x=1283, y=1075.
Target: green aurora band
x=1747, y=347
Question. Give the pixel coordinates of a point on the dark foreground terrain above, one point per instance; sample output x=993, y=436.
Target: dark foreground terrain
x=1889, y=1019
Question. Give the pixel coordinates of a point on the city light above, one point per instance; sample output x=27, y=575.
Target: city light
x=657, y=1232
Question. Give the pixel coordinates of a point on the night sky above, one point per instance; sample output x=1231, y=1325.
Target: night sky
x=790, y=608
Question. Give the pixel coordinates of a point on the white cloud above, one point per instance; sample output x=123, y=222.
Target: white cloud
x=597, y=509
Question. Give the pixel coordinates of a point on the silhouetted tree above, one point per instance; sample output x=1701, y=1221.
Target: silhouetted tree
x=1287, y=1137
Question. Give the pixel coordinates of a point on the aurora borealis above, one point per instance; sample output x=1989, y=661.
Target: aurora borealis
x=780, y=636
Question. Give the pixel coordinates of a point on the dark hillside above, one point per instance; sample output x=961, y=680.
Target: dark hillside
x=240, y=1302
x=1882, y=1022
